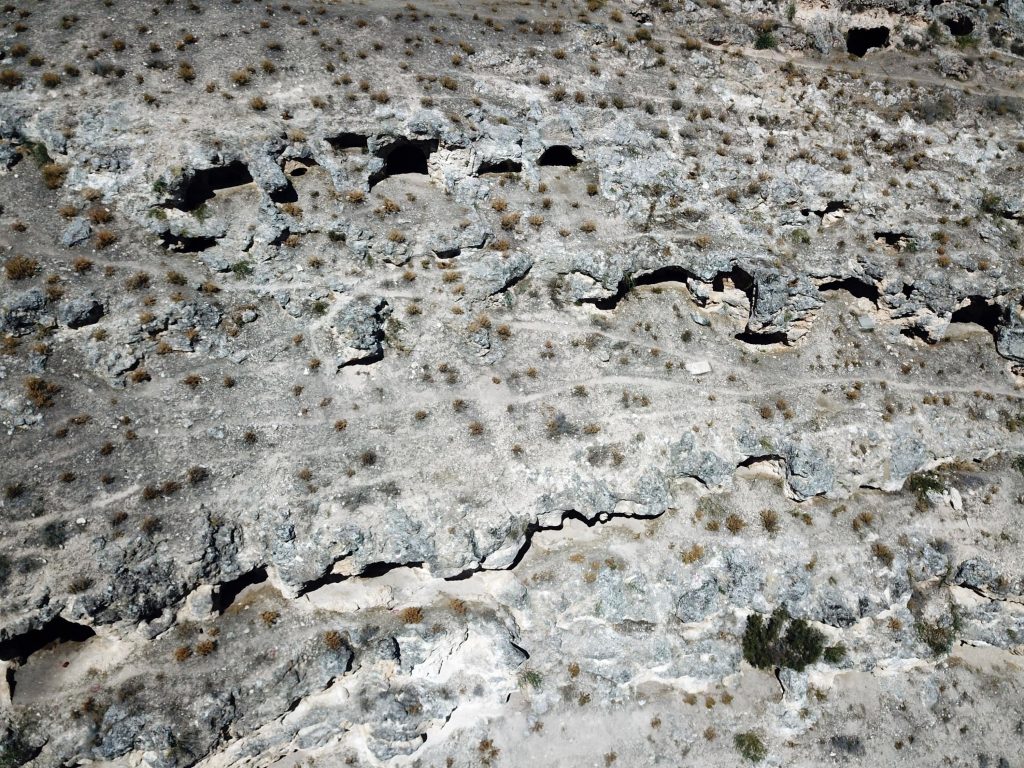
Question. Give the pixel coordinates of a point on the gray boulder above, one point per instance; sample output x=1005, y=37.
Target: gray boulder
x=697, y=603
x=76, y=232
x=357, y=330
x=21, y=312
x=81, y=312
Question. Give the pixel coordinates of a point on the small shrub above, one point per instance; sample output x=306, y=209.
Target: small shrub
x=104, y=239
x=150, y=524
x=411, y=615
x=333, y=640
x=735, y=523
x=882, y=553
x=257, y=104
x=137, y=282
x=53, y=175
x=20, y=267
x=40, y=392
x=10, y=78
x=206, y=647
x=770, y=520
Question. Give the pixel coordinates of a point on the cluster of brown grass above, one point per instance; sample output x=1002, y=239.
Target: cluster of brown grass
x=40, y=392
x=20, y=267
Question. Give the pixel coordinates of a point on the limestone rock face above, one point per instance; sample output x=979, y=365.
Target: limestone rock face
x=416, y=384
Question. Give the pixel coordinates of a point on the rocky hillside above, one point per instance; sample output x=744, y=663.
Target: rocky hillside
x=552, y=383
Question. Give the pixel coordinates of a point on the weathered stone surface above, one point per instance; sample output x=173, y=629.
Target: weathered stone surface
x=400, y=385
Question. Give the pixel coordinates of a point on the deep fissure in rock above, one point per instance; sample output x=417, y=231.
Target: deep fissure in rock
x=285, y=194
x=370, y=571
x=859, y=40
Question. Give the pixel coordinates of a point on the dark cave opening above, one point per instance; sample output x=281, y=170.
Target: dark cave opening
x=183, y=244
x=558, y=155
x=980, y=312
x=762, y=339
x=859, y=40
x=856, y=288
x=959, y=25
x=230, y=590
x=285, y=194
x=206, y=182
x=56, y=630
x=501, y=166
x=664, y=275
x=300, y=167
x=740, y=278
x=830, y=207
x=897, y=240
x=404, y=156
x=669, y=274
x=347, y=140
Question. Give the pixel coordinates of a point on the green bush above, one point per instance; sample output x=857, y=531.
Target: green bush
x=781, y=642
x=749, y=745
x=765, y=40
x=835, y=653
x=15, y=751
